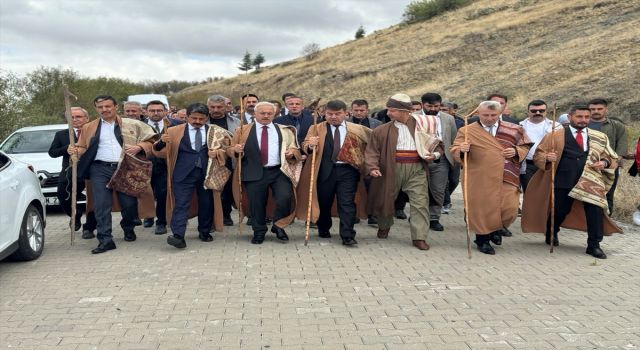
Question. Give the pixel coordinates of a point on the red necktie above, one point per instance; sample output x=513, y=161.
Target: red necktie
x=78, y=134
x=579, y=140
x=336, y=144
x=264, y=145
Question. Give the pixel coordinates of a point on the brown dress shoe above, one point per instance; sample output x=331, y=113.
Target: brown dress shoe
x=420, y=244
x=383, y=233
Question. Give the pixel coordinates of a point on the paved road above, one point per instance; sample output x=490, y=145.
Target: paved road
x=384, y=294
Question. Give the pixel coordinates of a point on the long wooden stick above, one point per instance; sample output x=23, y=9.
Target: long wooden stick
x=311, y=180
x=553, y=180
x=74, y=164
x=239, y=165
x=464, y=185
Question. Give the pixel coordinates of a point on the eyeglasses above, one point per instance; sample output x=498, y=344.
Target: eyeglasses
x=537, y=111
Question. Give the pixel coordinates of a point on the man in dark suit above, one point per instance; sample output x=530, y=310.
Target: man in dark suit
x=79, y=117
x=156, y=113
x=297, y=117
x=266, y=149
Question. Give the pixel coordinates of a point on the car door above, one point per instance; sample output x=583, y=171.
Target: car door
x=9, y=185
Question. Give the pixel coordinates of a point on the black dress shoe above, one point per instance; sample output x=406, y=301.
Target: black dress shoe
x=86, y=234
x=505, y=232
x=349, y=241
x=130, y=236
x=401, y=215
x=324, y=234
x=257, y=239
x=357, y=221
x=280, y=234
x=436, y=225
x=148, y=222
x=496, y=237
x=227, y=221
x=547, y=240
x=372, y=221
x=177, y=242
x=160, y=229
x=77, y=225
x=596, y=252
x=137, y=222
x=103, y=247
x=205, y=237
x=267, y=220
x=486, y=248
x=249, y=221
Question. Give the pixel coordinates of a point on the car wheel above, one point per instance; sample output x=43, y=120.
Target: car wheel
x=31, y=240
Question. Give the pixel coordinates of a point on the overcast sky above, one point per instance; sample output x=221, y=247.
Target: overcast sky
x=175, y=39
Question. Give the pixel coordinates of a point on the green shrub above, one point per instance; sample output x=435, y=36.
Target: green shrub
x=422, y=10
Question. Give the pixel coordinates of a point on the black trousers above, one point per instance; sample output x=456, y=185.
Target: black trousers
x=401, y=200
x=343, y=185
x=227, y=198
x=594, y=214
x=454, y=180
x=182, y=193
x=613, y=190
x=159, y=185
x=526, y=177
x=258, y=192
x=100, y=174
x=64, y=197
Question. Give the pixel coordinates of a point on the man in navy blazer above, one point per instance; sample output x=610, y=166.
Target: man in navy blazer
x=297, y=117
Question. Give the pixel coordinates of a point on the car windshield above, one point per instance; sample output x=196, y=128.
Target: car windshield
x=37, y=141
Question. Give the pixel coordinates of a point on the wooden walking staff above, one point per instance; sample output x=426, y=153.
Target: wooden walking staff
x=553, y=180
x=464, y=185
x=311, y=177
x=74, y=164
x=239, y=165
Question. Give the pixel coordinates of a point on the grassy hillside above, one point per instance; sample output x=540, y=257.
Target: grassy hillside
x=560, y=51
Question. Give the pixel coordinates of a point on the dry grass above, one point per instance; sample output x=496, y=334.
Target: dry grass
x=627, y=197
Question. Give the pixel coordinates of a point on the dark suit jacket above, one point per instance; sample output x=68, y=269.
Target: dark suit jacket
x=187, y=157
x=252, y=161
x=305, y=123
x=59, y=147
x=92, y=149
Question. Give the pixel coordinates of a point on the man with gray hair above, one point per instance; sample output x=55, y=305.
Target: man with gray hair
x=494, y=150
x=218, y=115
x=133, y=110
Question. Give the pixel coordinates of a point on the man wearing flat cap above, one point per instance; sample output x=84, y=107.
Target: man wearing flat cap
x=396, y=158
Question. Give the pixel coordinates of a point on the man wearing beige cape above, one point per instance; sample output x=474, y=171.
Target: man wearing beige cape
x=495, y=150
x=188, y=148
x=339, y=160
x=270, y=161
x=585, y=171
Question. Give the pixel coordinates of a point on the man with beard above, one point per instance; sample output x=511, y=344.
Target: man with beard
x=79, y=117
x=584, y=172
x=439, y=171
x=296, y=117
x=249, y=101
x=218, y=116
x=495, y=150
x=396, y=158
x=616, y=133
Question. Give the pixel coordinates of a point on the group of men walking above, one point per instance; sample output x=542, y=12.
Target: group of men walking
x=276, y=165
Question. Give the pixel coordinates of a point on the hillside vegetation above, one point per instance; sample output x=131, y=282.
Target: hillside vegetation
x=560, y=51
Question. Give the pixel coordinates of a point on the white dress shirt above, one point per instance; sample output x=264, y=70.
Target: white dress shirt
x=75, y=131
x=585, y=137
x=248, y=117
x=343, y=134
x=438, y=125
x=536, y=132
x=274, y=147
x=192, y=136
x=160, y=125
x=492, y=129
x=109, y=149
x=405, y=140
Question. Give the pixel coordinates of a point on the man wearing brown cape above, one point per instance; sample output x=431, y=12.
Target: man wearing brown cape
x=495, y=150
x=585, y=171
x=339, y=160
x=396, y=158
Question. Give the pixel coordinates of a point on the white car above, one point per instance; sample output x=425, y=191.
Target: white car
x=22, y=211
x=31, y=145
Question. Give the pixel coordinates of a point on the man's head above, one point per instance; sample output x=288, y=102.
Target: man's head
x=294, y=104
x=502, y=99
x=359, y=109
x=399, y=107
x=156, y=110
x=447, y=107
x=598, y=108
x=181, y=115
x=579, y=116
x=79, y=117
x=416, y=106
x=431, y=103
x=277, y=104
x=489, y=112
x=106, y=106
x=537, y=111
x=229, y=104
x=286, y=96
x=250, y=101
x=264, y=113
x=217, y=105
x=197, y=115
x=133, y=110
x=335, y=112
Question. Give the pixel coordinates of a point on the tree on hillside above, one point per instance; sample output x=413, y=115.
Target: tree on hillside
x=310, y=51
x=247, y=62
x=422, y=10
x=360, y=32
x=258, y=60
